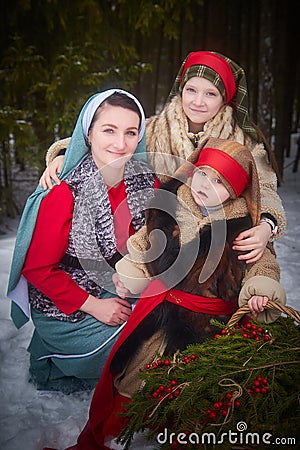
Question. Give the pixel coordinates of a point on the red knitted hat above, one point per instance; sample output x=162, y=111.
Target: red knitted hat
x=233, y=172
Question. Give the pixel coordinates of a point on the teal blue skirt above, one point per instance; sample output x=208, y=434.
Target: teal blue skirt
x=68, y=356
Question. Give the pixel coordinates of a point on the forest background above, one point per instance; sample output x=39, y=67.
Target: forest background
x=55, y=53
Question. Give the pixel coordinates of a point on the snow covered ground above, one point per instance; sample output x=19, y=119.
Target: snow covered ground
x=30, y=420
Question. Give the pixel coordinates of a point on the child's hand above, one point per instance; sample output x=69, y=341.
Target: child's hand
x=257, y=304
x=253, y=242
x=121, y=290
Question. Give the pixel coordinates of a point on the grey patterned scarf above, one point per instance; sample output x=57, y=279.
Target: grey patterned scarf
x=92, y=241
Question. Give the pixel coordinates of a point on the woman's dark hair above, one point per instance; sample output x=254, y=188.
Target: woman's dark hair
x=119, y=99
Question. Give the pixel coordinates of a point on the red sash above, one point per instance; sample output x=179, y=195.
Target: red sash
x=200, y=304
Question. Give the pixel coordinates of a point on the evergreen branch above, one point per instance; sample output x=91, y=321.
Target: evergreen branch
x=266, y=366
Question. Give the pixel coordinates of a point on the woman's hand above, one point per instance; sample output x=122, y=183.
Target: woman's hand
x=120, y=288
x=112, y=311
x=253, y=241
x=257, y=304
x=51, y=173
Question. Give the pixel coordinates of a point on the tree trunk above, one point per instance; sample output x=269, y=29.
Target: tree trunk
x=7, y=205
x=286, y=46
x=266, y=79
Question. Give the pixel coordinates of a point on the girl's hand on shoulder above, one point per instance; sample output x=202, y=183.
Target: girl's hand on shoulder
x=253, y=242
x=51, y=173
x=257, y=304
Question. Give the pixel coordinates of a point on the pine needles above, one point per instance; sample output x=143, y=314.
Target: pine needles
x=246, y=377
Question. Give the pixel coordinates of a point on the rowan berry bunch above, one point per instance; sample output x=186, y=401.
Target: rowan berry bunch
x=221, y=409
x=171, y=389
x=166, y=362
x=249, y=331
x=260, y=386
x=168, y=391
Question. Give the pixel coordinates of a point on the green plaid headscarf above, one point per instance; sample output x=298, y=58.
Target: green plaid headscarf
x=240, y=100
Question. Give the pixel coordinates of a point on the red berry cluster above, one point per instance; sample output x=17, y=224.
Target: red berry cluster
x=252, y=331
x=259, y=386
x=158, y=363
x=248, y=331
x=167, y=362
x=222, y=408
x=170, y=391
x=189, y=359
x=224, y=332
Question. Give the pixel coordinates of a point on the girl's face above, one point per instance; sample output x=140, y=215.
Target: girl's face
x=207, y=187
x=201, y=101
x=113, y=136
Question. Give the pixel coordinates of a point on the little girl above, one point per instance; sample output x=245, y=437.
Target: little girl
x=185, y=251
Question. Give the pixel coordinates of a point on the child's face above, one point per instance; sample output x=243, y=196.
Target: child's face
x=201, y=101
x=114, y=136
x=207, y=187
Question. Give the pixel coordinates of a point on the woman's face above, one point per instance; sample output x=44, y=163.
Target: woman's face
x=207, y=188
x=201, y=101
x=113, y=136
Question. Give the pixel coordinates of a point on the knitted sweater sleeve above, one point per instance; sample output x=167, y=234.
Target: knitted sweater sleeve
x=131, y=268
x=262, y=279
x=266, y=266
x=48, y=245
x=270, y=200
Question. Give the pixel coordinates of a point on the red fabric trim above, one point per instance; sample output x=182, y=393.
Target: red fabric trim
x=121, y=215
x=227, y=166
x=201, y=304
x=218, y=64
x=156, y=184
x=103, y=403
x=114, y=424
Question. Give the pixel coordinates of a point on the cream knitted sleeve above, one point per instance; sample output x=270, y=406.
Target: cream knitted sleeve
x=262, y=278
x=131, y=268
x=270, y=200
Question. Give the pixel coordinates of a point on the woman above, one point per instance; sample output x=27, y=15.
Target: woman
x=69, y=241
x=210, y=99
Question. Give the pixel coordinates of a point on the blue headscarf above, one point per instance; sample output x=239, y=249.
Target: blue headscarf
x=76, y=151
